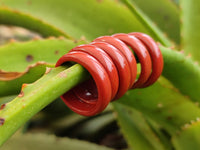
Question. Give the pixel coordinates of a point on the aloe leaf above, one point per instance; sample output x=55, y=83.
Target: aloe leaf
x=91, y=18
x=160, y=132
x=25, y=62
x=50, y=142
x=190, y=34
x=66, y=122
x=16, y=56
x=150, y=26
x=136, y=130
x=34, y=97
x=163, y=104
x=17, y=18
x=183, y=72
x=13, y=86
x=188, y=138
x=164, y=13
x=93, y=129
x=6, y=99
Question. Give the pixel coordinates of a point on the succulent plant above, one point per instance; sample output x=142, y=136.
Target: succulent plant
x=164, y=116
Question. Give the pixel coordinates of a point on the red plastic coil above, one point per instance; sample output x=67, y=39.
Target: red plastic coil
x=112, y=64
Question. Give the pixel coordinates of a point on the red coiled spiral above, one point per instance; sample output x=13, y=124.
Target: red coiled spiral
x=113, y=67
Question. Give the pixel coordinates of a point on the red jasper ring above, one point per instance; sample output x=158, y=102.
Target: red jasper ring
x=90, y=98
x=113, y=68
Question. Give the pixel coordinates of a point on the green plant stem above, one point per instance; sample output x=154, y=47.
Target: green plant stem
x=13, y=17
x=36, y=96
x=150, y=26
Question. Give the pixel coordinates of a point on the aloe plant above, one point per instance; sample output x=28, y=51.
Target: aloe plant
x=164, y=116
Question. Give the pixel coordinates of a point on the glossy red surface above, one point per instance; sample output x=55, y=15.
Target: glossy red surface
x=112, y=65
x=124, y=49
x=94, y=104
x=156, y=56
x=121, y=65
x=102, y=57
x=143, y=55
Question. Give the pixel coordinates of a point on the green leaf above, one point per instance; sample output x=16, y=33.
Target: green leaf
x=25, y=62
x=165, y=14
x=150, y=26
x=17, y=18
x=163, y=104
x=190, y=33
x=188, y=138
x=50, y=142
x=17, y=56
x=36, y=96
x=136, y=130
x=6, y=99
x=167, y=106
x=92, y=129
x=182, y=72
x=13, y=85
x=91, y=18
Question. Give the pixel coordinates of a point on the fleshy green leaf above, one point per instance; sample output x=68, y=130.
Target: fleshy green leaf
x=190, y=33
x=17, y=56
x=188, y=138
x=6, y=99
x=91, y=18
x=182, y=72
x=92, y=128
x=17, y=18
x=50, y=142
x=25, y=62
x=164, y=104
x=136, y=130
x=13, y=85
x=164, y=13
x=34, y=97
x=150, y=26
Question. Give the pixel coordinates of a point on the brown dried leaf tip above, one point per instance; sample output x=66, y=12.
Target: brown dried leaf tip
x=24, y=85
x=21, y=94
x=2, y=106
x=2, y=120
x=6, y=76
x=48, y=70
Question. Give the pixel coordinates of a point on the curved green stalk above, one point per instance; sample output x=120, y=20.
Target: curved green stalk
x=34, y=97
x=32, y=58
x=88, y=18
x=189, y=137
x=12, y=17
x=190, y=33
x=154, y=30
x=45, y=141
x=165, y=14
x=183, y=72
x=136, y=130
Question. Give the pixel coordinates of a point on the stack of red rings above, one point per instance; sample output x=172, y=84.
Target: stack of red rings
x=111, y=62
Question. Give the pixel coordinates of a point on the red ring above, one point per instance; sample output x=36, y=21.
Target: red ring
x=127, y=53
x=142, y=54
x=121, y=65
x=101, y=79
x=113, y=67
x=156, y=57
x=105, y=60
